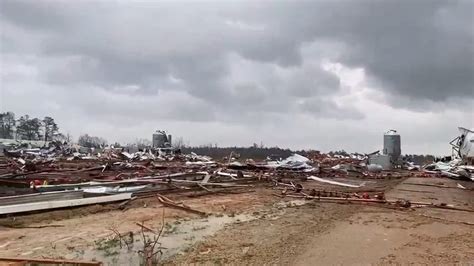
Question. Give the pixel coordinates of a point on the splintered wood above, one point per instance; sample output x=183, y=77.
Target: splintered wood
x=169, y=203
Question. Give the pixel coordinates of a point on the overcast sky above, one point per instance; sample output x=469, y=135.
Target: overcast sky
x=325, y=75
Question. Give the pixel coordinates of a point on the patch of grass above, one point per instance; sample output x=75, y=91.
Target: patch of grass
x=169, y=228
x=108, y=246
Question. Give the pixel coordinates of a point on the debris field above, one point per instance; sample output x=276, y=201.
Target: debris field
x=63, y=193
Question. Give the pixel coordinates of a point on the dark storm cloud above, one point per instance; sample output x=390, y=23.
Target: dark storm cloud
x=416, y=50
x=422, y=49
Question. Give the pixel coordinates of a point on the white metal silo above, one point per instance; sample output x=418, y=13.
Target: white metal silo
x=392, y=145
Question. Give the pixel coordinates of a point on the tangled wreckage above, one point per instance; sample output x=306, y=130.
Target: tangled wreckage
x=63, y=176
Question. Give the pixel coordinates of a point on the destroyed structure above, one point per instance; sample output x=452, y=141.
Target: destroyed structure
x=161, y=140
x=463, y=146
x=64, y=175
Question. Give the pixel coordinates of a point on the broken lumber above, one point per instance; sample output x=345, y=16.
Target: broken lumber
x=146, y=228
x=421, y=204
x=426, y=185
x=172, y=204
x=339, y=199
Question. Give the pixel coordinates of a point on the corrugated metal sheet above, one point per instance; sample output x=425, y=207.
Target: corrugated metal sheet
x=48, y=205
x=39, y=197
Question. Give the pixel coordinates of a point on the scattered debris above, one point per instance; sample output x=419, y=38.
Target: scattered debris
x=64, y=176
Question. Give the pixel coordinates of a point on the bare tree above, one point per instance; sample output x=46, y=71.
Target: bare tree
x=91, y=141
x=151, y=246
x=178, y=143
x=143, y=143
x=152, y=250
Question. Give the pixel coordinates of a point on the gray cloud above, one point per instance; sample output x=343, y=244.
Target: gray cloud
x=414, y=49
x=242, y=62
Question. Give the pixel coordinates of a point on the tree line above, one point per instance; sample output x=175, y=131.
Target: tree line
x=28, y=128
x=46, y=129
x=91, y=141
x=253, y=152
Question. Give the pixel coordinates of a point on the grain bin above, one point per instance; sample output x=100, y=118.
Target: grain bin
x=159, y=139
x=392, y=145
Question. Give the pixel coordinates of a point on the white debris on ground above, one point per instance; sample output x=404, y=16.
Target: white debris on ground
x=293, y=162
x=452, y=169
x=332, y=182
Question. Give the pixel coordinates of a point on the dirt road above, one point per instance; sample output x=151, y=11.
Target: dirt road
x=347, y=234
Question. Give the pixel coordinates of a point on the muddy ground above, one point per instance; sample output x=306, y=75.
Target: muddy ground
x=347, y=234
x=259, y=228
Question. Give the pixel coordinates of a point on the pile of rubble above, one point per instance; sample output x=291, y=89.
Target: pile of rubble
x=74, y=176
x=452, y=169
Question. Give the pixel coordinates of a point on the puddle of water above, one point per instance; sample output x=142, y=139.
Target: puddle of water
x=177, y=238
